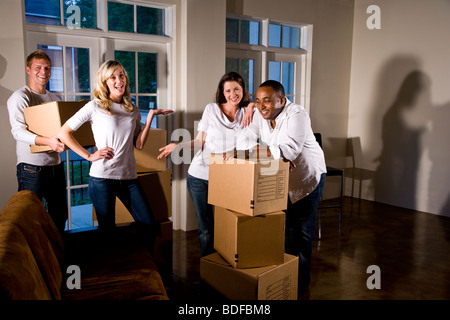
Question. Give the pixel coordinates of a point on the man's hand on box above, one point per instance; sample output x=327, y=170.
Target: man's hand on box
x=53, y=142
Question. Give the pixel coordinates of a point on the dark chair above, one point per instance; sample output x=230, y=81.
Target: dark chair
x=332, y=172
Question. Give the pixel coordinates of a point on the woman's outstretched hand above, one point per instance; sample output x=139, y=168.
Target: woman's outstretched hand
x=165, y=151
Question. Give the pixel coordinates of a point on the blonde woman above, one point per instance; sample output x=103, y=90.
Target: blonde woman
x=116, y=127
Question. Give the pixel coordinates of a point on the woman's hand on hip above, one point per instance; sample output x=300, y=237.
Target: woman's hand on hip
x=106, y=153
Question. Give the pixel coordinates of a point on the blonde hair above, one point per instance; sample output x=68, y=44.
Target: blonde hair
x=101, y=91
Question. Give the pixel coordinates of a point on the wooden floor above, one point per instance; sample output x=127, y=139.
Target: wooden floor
x=412, y=250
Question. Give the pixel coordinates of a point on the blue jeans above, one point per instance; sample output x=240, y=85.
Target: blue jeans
x=300, y=230
x=103, y=193
x=49, y=184
x=198, y=190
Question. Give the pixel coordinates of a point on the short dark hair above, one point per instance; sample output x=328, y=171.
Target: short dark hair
x=275, y=85
x=39, y=54
x=232, y=76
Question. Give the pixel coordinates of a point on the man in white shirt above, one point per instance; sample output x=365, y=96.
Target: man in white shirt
x=285, y=128
x=42, y=173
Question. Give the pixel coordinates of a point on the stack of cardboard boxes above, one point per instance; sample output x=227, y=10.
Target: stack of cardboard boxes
x=248, y=197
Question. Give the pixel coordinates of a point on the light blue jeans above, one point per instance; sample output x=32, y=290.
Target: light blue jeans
x=198, y=190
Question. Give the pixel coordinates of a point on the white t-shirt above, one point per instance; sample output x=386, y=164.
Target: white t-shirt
x=221, y=137
x=19, y=100
x=116, y=131
x=293, y=140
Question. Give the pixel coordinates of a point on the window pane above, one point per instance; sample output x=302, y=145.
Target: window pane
x=254, y=32
x=246, y=71
x=232, y=30
x=249, y=32
x=150, y=20
x=77, y=70
x=120, y=17
x=274, y=35
x=145, y=104
x=88, y=12
x=56, y=83
x=232, y=64
x=147, y=72
x=43, y=11
x=291, y=37
x=275, y=70
x=288, y=77
x=245, y=31
x=128, y=60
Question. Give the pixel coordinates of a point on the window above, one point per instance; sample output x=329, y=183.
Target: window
x=70, y=72
x=77, y=54
x=245, y=67
x=49, y=12
x=133, y=18
x=284, y=36
x=283, y=72
x=243, y=31
x=142, y=71
x=123, y=16
x=282, y=53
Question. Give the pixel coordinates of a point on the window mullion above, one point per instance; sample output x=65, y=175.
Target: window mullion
x=61, y=12
x=102, y=15
x=64, y=93
x=136, y=64
x=135, y=18
x=265, y=33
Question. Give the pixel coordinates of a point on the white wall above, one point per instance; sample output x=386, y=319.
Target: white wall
x=399, y=102
x=12, y=77
x=201, y=64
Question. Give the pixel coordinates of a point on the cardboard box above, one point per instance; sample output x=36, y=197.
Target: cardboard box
x=248, y=242
x=46, y=119
x=146, y=158
x=276, y=282
x=157, y=187
x=250, y=186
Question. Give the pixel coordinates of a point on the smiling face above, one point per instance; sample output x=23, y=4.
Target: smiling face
x=233, y=92
x=39, y=73
x=269, y=102
x=116, y=84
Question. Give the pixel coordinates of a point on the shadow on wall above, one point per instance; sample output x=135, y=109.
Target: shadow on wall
x=414, y=130
x=8, y=156
x=403, y=127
